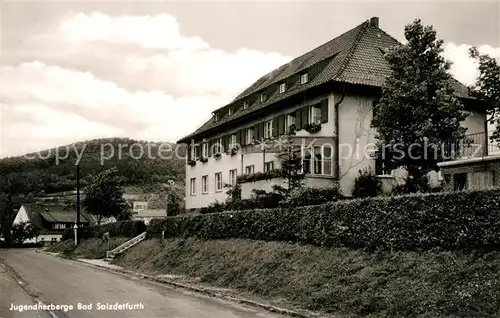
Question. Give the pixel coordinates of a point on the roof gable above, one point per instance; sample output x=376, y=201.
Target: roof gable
x=355, y=57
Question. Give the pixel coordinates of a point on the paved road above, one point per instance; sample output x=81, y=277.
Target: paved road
x=56, y=281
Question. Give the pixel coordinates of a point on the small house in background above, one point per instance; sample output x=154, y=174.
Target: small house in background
x=147, y=215
x=50, y=220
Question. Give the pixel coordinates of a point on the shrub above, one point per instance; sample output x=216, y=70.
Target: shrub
x=367, y=184
x=214, y=207
x=124, y=229
x=312, y=196
x=459, y=220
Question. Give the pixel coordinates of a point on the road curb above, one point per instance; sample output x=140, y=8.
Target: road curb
x=200, y=290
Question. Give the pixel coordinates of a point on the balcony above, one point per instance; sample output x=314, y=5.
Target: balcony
x=472, y=146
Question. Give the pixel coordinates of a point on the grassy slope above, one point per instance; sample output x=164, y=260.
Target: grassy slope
x=91, y=248
x=341, y=281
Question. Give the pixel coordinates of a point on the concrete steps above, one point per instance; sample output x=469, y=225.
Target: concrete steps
x=125, y=246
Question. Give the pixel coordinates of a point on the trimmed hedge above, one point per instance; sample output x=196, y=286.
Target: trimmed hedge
x=458, y=220
x=305, y=196
x=123, y=229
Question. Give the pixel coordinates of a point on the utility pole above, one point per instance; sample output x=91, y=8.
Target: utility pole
x=77, y=200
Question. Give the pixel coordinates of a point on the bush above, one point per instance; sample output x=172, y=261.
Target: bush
x=366, y=184
x=312, y=196
x=460, y=220
x=124, y=229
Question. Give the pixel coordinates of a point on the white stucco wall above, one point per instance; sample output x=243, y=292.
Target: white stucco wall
x=356, y=139
x=21, y=216
x=356, y=143
x=239, y=162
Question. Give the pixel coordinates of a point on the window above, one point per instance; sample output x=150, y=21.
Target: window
x=250, y=134
x=218, y=181
x=268, y=166
x=282, y=88
x=218, y=146
x=249, y=169
x=246, y=104
x=263, y=97
x=460, y=181
x=54, y=239
x=327, y=153
x=304, y=78
x=204, y=184
x=318, y=160
x=232, y=176
x=289, y=121
x=230, y=111
x=233, y=142
x=194, y=149
x=205, y=150
x=216, y=117
x=315, y=114
x=59, y=226
x=268, y=129
x=192, y=185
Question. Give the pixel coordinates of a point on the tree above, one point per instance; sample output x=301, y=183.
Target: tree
x=487, y=88
x=10, y=187
x=291, y=168
x=418, y=113
x=104, y=195
x=174, y=201
x=22, y=232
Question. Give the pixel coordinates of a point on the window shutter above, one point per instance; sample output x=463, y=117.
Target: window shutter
x=210, y=143
x=198, y=151
x=275, y=127
x=262, y=125
x=225, y=142
x=305, y=115
x=324, y=111
x=243, y=137
x=298, y=119
x=281, y=124
x=189, y=152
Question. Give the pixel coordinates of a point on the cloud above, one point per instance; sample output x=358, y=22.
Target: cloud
x=144, y=80
x=94, y=75
x=464, y=68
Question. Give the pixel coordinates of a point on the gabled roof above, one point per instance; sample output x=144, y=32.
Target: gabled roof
x=355, y=57
x=54, y=214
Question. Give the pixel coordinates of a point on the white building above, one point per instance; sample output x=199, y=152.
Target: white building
x=328, y=95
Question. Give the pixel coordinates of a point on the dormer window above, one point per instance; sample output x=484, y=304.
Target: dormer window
x=304, y=78
x=263, y=97
x=230, y=112
x=246, y=104
x=282, y=88
x=216, y=117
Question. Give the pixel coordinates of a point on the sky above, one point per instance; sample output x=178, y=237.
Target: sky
x=73, y=71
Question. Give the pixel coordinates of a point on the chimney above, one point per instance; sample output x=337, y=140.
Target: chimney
x=374, y=22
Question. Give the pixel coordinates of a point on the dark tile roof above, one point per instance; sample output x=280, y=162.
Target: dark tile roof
x=355, y=57
x=54, y=214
